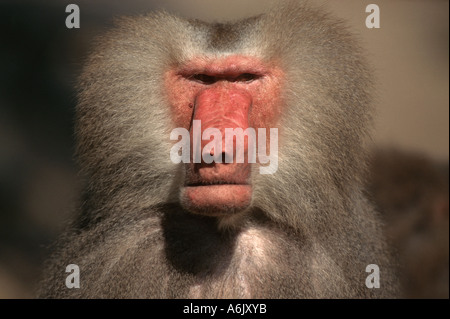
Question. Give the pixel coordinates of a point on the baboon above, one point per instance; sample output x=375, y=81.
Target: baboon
x=151, y=228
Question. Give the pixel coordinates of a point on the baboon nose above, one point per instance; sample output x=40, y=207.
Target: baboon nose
x=222, y=157
x=226, y=158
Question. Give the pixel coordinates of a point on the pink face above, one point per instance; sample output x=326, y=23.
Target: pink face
x=230, y=92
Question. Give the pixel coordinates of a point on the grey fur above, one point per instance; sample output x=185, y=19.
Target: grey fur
x=309, y=234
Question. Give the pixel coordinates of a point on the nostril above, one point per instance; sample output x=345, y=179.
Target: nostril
x=227, y=158
x=223, y=157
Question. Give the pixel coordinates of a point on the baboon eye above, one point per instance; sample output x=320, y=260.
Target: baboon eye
x=204, y=78
x=210, y=79
x=246, y=77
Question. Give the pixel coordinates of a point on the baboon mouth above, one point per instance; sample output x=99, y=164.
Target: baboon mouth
x=216, y=198
x=215, y=183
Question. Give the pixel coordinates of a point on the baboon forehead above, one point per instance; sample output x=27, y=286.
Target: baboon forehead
x=226, y=36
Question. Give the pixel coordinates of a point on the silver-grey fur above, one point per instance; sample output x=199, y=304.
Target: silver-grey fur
x=310, y=232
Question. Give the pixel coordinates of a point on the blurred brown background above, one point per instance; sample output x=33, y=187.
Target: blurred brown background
x=40, y=59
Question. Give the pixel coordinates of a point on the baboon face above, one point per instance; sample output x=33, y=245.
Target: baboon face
x=292, y=78
x=223, y=94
